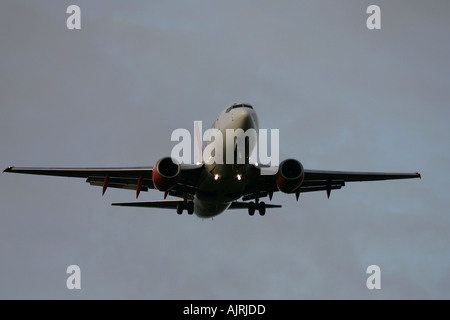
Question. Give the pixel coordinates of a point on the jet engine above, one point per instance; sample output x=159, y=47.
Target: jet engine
x=166, y=174
x=289, y=176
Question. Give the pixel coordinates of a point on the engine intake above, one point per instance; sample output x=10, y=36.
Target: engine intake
x=166, y=174
x=290, y=175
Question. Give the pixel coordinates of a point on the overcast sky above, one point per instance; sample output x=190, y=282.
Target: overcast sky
x=343, y=97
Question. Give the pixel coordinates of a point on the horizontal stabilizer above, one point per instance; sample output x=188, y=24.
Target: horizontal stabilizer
x=166, y=204
x=244, y=205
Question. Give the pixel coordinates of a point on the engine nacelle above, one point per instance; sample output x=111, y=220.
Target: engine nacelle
x=290, y=175
x=166, y=174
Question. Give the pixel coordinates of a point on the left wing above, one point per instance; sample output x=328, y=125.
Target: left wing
x=133, y=178
x=319, y=180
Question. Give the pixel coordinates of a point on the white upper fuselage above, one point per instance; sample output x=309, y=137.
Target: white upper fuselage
x=223, y=181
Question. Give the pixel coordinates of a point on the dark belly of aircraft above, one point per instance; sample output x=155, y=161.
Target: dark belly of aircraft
x=216, y=193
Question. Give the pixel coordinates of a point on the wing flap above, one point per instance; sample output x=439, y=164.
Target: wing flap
x=116, y=185
x=319, y=188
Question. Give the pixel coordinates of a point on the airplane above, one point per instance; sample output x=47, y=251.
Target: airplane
x=208, y=189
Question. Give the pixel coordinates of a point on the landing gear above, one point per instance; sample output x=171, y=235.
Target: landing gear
x=253, y=206
x=262, y=208
x=189, y=206
x=180, y=208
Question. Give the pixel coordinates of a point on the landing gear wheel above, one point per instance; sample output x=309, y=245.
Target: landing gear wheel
x=190, y=207
x=251, y=208
x=262, y=208
x=180, y=208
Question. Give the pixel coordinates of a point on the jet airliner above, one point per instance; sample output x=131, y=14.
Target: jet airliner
x=208, y=189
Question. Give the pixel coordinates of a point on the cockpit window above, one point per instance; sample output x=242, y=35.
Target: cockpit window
x=239, y=105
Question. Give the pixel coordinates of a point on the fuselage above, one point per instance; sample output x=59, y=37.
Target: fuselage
x=224, y=179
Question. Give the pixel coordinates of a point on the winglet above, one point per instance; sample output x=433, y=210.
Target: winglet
x=9, y=169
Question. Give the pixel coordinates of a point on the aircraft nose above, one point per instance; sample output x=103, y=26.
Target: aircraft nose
x=246, y=119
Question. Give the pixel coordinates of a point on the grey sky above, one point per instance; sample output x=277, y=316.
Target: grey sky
x=110, y=94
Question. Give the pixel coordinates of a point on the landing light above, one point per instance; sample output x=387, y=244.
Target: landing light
x=216, y=177
x=239, y=177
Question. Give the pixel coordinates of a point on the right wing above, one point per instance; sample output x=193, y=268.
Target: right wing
x=136, y=178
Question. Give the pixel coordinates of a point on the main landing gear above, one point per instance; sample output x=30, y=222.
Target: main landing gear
x=188, y=205
x=261, y=206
